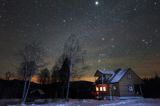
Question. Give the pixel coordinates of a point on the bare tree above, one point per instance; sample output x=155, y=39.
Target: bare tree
x=73, y=54
x=8, y=75
x=31, y=56
x=56, y=70
x=44, y=76
x=55, y=77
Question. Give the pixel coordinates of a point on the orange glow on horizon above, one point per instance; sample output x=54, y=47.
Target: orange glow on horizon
x=85, y=78
x=35, y=79
x=88, y=78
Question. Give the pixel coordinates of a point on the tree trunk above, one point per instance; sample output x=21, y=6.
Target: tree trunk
x=24, y=90
x=26, y=93
x=25, y=85
x=68, y=82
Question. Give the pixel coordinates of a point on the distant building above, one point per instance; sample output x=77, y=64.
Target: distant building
x=37, y=93
x=118, y=83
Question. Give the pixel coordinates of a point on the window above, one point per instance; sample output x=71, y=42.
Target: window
x=97, y=89
x=130, y=88
x=104, y=88
x=101, y=89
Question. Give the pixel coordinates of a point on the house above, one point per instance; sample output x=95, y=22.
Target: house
x=118, y=83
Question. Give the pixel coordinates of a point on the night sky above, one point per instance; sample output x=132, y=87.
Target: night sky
x=114, y=33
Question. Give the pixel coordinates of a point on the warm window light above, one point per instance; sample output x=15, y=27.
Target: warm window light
x=97, y=89
x=104, y=88
x=101, y=89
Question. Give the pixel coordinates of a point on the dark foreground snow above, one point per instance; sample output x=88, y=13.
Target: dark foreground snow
x=86, y=102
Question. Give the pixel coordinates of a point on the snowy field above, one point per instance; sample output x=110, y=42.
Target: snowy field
x=90, y=102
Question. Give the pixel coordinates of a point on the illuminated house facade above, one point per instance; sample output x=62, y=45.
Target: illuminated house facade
x=118, y=83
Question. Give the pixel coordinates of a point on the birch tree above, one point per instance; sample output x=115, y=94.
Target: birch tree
x=73, y=54
x=32, y=58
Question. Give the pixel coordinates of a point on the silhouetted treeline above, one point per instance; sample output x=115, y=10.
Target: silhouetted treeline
x=78, y=89
x=14, y=88
x=151, y=87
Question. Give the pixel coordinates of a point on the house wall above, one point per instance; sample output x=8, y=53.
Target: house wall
x=115, y=89
x=127, y=83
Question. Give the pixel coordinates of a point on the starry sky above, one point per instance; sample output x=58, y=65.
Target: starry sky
x=114, y=33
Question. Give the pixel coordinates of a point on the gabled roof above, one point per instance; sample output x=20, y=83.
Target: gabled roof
x=118, y=75
x=104, y=72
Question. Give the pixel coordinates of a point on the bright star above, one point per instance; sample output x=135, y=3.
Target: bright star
x=96, y=3
x=103, y=38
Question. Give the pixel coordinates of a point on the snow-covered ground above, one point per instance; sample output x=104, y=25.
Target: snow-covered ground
x=91, y=102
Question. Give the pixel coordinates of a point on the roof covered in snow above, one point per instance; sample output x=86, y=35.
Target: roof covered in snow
x=118, y=75
x=102, y=72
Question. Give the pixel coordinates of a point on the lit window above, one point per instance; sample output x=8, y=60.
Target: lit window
x=101, y=89
x=97, y=89
x=104, y=88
